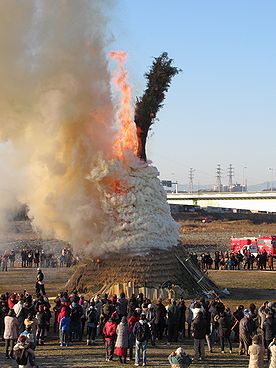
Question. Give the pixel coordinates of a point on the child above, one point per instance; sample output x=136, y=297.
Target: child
x=64, y=327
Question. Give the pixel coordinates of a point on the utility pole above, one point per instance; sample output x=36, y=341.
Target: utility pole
x=230, y=175
x=191, y=182
x=218, y=176
x=244, y=180
x=271, y=169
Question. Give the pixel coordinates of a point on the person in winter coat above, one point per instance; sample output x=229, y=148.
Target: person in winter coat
x=272, y=350
x=64, y=328
x=10, y=333
x=131, y=322
x=75, y=315
x=41, y=317
x=269, y=330
x=4, y=309
x=237, y=316
x=20, y=313
x=150, y=316
x=92, y=323
x=141, y=332
x=122, y=341
x=256, y=353
x=24, y=354
x=181, y=317
x=121, y=307
x=224, y=329
x=107, y=310
x=199, y=333
x=179, y=359
x=109, y=332
x=173, y=318
x=160, y=319
x=245, y=332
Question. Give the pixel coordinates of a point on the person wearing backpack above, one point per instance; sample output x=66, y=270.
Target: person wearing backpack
x=92, y=322
x=24, y=354
x=179, y=359
x=76, y=313
x=142, y=334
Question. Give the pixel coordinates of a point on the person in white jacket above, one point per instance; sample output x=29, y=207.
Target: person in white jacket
x=272, y=348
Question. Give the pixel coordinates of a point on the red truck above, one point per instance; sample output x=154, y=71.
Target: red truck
x=254, y=245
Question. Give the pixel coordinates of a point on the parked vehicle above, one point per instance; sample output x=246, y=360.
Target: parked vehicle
x=254, y=245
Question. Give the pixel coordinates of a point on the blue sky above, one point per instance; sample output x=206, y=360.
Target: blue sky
x=221, y=108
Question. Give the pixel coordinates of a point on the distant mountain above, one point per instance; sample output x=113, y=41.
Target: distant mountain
x=262, y=186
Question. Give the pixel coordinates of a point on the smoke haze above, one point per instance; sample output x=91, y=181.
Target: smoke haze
x=55, y=111
x=58, y=133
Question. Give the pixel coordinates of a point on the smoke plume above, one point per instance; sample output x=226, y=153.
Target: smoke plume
x=55, y=110
x=57, y=132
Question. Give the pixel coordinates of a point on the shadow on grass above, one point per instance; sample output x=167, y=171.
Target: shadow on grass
x=252, y=293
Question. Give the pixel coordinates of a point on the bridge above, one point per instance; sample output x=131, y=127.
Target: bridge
x=253, y=201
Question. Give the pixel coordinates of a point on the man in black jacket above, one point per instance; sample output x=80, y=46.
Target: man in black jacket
x=269, y=330
x=160, y=319
x=199, y=332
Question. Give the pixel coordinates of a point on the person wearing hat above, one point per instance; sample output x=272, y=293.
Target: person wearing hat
x=245, y=332
x=31, y=322
x=24, y=353
x=179, y=359
x=256, y=353
x=151, y=315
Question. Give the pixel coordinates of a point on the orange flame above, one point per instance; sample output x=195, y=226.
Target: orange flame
x=126, y=138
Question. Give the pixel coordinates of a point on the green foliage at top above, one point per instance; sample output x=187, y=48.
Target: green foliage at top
x=158, y=82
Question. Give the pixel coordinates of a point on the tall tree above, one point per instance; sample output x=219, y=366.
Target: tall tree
x=146, y=108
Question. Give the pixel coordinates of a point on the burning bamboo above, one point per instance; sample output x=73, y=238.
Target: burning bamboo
x=146, y=108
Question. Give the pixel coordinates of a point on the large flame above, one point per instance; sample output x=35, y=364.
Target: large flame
x=126, y=137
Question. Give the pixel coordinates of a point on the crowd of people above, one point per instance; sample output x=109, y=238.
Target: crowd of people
x=30, y=257
x=127, y=326
x=233, y=261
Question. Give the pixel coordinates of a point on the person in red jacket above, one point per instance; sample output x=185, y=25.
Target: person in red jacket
x=12, y=300
x=109, y=332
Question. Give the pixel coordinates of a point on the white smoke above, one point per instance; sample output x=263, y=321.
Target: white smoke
x=56, y=122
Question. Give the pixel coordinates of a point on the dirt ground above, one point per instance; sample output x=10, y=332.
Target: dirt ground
x=245, y=287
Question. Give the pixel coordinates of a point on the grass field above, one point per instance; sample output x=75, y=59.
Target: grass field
x=245, y=287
